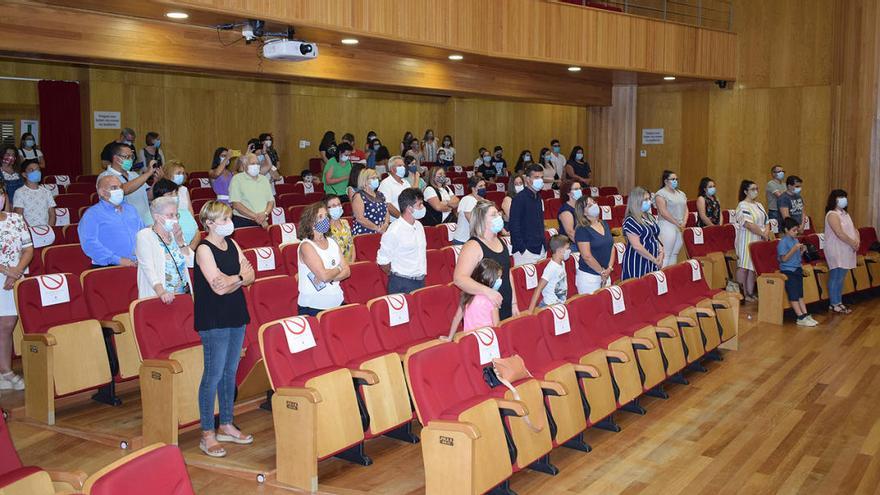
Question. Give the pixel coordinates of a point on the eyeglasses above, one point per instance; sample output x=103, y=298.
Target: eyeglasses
x=125, y=157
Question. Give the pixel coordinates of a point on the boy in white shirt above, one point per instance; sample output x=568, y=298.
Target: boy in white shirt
x=553, y=286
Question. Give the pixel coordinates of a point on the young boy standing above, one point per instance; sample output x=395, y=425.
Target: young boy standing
x=789, y=252
x=553, y=286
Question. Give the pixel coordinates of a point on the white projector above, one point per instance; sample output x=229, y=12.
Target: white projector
x=290, y=50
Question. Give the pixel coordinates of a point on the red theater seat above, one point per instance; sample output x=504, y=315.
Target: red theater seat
x=439, y=271
x=267, y=261
x=525, y=281
x=366, y=246
x=73, y=201
x=437, y=236
x=401, y=332
x=290, y=199
x=202, y=193
x=435, y=308
x=367, y=281
x=251, y=237
x=108, y=294
x=152, y=470
x=65, y=258
x=608, y=191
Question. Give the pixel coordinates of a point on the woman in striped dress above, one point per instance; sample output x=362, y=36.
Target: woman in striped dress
x=644, y=253
x=751, y=226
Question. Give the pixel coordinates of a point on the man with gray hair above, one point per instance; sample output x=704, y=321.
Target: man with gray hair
x=107, y=230
x=127, y=136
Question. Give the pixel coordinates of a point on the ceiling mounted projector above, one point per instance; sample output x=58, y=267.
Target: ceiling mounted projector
x=292, y=50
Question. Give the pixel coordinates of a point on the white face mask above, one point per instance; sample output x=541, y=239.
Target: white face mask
x=253, y=170
x=224, y=229
x=567, y=255
x=116, y=196
x=593, y=211
x=419, y=214
x=518, y=188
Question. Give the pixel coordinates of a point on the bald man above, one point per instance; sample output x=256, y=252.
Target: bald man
x=107, y=230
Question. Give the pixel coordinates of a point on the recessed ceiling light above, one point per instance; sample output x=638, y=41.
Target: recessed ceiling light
x=177, y=15
x=350, y=41
x=456, y=57
x=574, y=69
x=669, y=78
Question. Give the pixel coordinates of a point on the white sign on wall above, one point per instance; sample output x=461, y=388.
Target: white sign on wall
x=652, y=136
x=108, y=120
x=33, y=127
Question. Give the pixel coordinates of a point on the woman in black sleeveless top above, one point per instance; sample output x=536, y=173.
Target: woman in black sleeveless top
x=220, y=316
x=486, y=222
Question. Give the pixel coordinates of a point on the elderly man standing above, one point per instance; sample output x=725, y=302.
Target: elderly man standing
x=251, y=195
x=134, y=185
x=107, y=230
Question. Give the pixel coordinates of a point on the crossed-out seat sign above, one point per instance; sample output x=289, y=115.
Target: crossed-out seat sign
x=488, y=344
x=662, y=286
x=561, y=323
x=278, y=216
x=299, y=335
x=62, y=217
x=398, y=309
x=53, y=289
x=288, y=233
x=531, y=273
x=265, y=259
x=618, y=305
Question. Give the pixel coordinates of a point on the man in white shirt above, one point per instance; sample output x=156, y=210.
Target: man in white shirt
x=134, y=185
x=403, y=249
x=465, y=206
x=557, y=158
x=394, y=184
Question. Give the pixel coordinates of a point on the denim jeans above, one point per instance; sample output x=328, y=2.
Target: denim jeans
x=222, y=351
x=400, y=285
x=835, y=285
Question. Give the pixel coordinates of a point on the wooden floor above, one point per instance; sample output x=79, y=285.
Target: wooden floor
x=794, y=410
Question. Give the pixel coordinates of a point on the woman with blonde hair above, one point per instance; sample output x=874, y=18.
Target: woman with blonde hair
x=368, y=205
x=644, y=252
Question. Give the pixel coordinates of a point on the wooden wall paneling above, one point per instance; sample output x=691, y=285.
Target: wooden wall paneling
x=612, y=140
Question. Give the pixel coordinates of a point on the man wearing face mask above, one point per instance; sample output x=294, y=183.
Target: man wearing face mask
x=527, y=220
x=775, y=189
x=267, y=166
x=403, y=249
x=127, y=136
x=107, y=230
x=499, y=162
x=134, y=185
x=396, y=182
x=557, y=159
x=790, y=203
x=250, y=195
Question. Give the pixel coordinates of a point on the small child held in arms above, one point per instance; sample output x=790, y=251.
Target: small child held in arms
x=789, y=251
x=478, y=311
x=553, y=286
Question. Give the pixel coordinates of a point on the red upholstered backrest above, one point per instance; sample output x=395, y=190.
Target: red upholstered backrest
x=366, y=246
x=551, y=208
x=9, y=459
x=266, y=254
x=436, y=237
x=349, y=333
x=727, y=240
x=36, y=318
x=72, y=201
x=680, y=281
x=275, y=235
x=694, y=249
x=290, y=257
x=65, y=258
x=590, y=319
x=110, y=291
x=571, y=268
x=438, y=380
x=608, y=191
x=290, y=199
x=637, y=294
x=434, y=307
x=400, y=335
x=618, y=215
x=814, y=240
x=286, y=369
x=270, y=299
x=523, y=336
x=496, y=197
x=163, y=328
x=520, y=276
x=563, y=345
x=158, y=471
x=294, y=213
x=367, y=281
x=867, y=236
x=439, y=271
x=764, y=256
x=251, y=237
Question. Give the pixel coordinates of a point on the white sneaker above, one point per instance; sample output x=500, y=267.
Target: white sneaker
x=11, y=381
x=806, y=322
x=810, y=317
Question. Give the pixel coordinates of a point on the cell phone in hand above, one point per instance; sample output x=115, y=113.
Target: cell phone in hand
x=318, y=285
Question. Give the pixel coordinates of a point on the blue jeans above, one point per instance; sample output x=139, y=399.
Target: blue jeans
x=835, y=285
x=400, y=285
x=222, y=351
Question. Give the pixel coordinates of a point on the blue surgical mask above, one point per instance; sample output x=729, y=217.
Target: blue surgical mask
x=497, y=284
x=578, y=156
x=487, y=159
x=779, y=175
x=413, y=169
x=538, y=184
x=400, y=170
x=710, y=191
x=376, y=147
x=335, y=212
x=673, y=183
x=116, y=196
x=842, y=202
x=29, y=143
x=178, y=179
x=497, y=224
x=481, y=192
x=518, y=188
x=527, y=157
x=576, y=194
x=323, y=226
x=419, y=214
x=556, y=149
x=646, y=206
x=374, y=183
x=157, y=143
x=260, y=158
x=797, y=190
x=34, y=176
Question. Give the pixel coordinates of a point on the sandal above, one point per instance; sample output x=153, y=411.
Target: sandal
x=750, y=298
x=239, y=439
x=212, y=451
x=841, y=309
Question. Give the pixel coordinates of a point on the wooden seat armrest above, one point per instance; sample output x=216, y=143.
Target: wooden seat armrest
x=114, y=326
x=515, y=407
x=642, y=344
x=731, y=255
x=686, y=321
x=775, y=275
x=555, y=388
x=821, y=268
x=734, y=295
x=705, y=312
x=616, y=356
x=872, y=257
x=76, y=479
x=306, y=393
x=719, y=304
x=44, y=338
x=665, y=332
x=365, y=377
x=467, y=428
x=169, y=364
x=586, y=371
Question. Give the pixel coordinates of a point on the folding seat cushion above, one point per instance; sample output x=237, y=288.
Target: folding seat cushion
x=522, y=336
x=439, y=271
x=395, y=323
x=724, y=304
x=367, y=281
x=670, y=327
x=251, y=237
x=267, y=261
x=596, y=387
x=354, y=344
x=772, y=299
x=65, y=258
x=478, y=348
x=136, y=474
x=693, y=300
x=108, y=294
x=463, y=440
x=366, y=246
x=525, y=281
x=434, y=309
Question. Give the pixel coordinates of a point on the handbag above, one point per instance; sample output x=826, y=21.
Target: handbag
x=505, y=371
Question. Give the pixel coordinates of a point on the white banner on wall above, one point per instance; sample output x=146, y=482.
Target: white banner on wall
x=652, y=136
x=33, y=127
x=108, y=120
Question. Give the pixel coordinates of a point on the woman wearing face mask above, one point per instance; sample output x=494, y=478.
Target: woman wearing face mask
x=221, y=174
x=708, y=207
x=220, y=315
x=751, y=222
x=415, y=151
x=368, y=205
x=321, y=265
x=481, y=154
x=440, y=200
x=371, y=136
x=517, y=183
x=841, y=246
x=163, y=254
x=340, y=231
x=165, y=188
x=486, y=223
x=11, y=178
x=15, y=255
x=465, y=207
x=571, y=192
x=269, y=149
x=176, y=171
x=429, y=146
x=382, y=157
x=644, y=253
x=337, y=171
x=449, y=150
x=406, y=142
x=550, y=177
x=327, y=148
x=672, y=209
x=33, y=201
x=29, y=150
x=372, y=149
x=596, y=246
x=577, y=168
x=153, y=150
x=524, y=160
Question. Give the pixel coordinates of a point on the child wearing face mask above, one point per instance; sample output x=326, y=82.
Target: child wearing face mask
x=553, y=286
x=478, y=311
x=33, y=201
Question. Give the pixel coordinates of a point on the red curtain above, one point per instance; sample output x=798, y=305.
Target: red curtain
x=61, y=127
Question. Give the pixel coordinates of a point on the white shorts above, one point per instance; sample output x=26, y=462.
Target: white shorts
x=587, y=283
x=527, y=257
x=7, y=303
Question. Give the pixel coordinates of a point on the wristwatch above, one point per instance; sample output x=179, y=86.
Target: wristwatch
x=240, y=278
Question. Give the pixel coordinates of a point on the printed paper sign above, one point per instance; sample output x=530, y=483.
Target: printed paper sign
x=52, y=188
x=551, y=231
x=398, y=309
x=279, y=180
x=774, y=225
x=62, y=180
x=265, y=259
x=696, y=274
x=107, y=120
x=499, y=186
x=821, y=241
x=450, y=231
x=278, y=216
x=487, y=342
x=42, y=235
x=53, y=289
x=299, y=335
x=203, y=182
x=457, y=251
x=594, y=191
x=618, y=305
x=606, y=212
x=469, y=173
x=731, y=215
x=662, y=287
x=698, y=235
x=62, y=217
x=459, y=189
x=653, y=136
x=457, y=168
x=561, y=323
x=807, y=223
x=620, y=248
x=618, y=200
x=308, y=187
x=531, y=273
x=288, y=233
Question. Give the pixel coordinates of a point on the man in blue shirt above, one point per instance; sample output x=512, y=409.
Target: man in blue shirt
x=107, y=230
x=791, y=203
x=527, y=219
